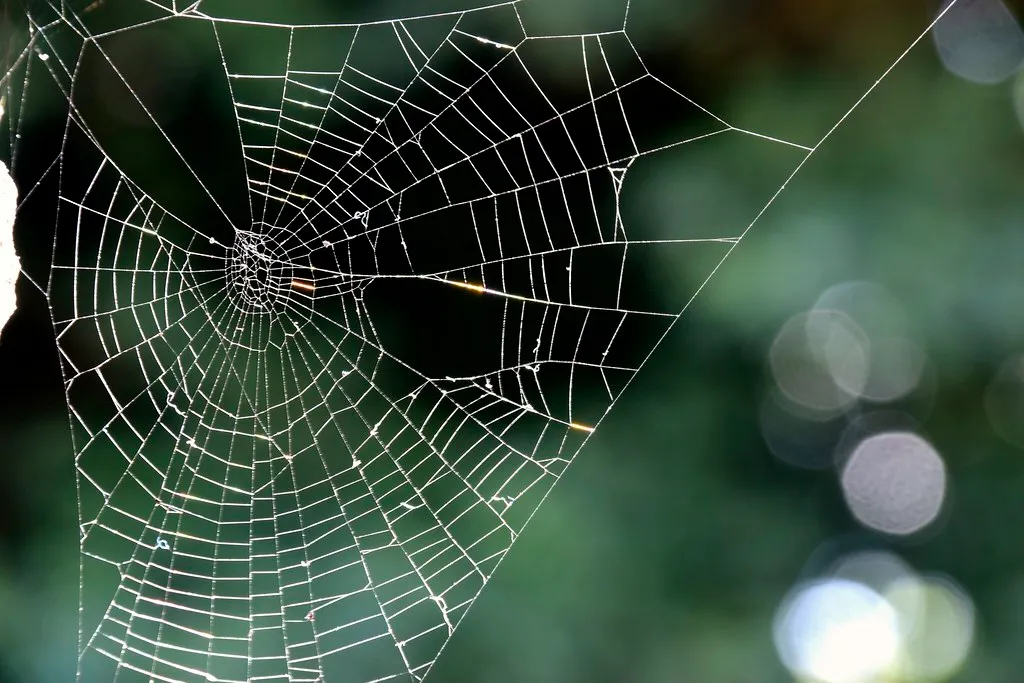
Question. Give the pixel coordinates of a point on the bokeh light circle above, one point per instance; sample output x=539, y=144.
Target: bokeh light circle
x=876, y=569
x=895, y=482
x=979, y=40
x=895, y=363
x=1004, y=401
x=796, y=440
x=819, y=361
x=937, y=623
x=836, y=631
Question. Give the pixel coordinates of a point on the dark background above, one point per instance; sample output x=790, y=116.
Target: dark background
x=666, y=549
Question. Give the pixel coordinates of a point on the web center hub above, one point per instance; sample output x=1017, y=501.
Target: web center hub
x=256, y=271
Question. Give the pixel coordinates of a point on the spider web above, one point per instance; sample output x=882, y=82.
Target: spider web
x=280, y=477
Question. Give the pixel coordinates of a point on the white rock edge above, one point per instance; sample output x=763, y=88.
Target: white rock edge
x=10, y=265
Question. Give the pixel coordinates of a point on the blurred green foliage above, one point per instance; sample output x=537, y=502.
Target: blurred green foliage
x=662, y=555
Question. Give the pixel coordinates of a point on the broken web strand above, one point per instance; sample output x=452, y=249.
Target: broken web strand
x=248, y=419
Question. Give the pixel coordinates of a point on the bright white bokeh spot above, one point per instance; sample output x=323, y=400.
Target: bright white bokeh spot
x=979, y=40
x=874, y=619
x=937, y=627
x=819, y=361
x=894, y=482
x=836, y=631
x=1004, y=401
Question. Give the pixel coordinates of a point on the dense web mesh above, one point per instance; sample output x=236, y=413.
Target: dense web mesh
x=323, y=364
